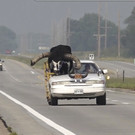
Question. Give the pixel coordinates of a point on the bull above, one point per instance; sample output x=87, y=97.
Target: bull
x=60, y=59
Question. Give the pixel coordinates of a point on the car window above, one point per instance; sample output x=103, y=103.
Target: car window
x=88, y=67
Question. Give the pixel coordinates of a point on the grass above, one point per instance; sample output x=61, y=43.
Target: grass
x=11, y=132
x=8, y=128
x=14, y=133
x=127, y=83
x=130, y=60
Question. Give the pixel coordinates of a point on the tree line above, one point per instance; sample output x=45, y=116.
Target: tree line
x=7, y=39
x=83, y=36
x=83, y=31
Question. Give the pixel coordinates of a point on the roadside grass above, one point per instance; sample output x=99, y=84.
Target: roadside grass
x=14, y=133
x=11, y=132
x=130, y=60
x=127, y=83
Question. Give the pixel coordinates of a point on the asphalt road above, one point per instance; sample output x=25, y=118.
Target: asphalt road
x=118, y=67
x=23, y=105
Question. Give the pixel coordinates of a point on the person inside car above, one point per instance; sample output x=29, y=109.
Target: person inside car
x=87, y=68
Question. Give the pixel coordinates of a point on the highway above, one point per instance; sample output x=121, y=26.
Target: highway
x=24, y=107
x=118, y=67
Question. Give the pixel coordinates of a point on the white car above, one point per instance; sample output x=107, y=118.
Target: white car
x=75, y=86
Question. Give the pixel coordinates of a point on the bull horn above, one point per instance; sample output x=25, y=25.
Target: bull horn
x=74, y=58
x=71, y=76
x=43, y=55
x=85, y=75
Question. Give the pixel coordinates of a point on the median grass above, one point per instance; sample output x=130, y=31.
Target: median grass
x=127, y=83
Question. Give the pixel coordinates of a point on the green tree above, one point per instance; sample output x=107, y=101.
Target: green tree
x=128, y=40
x=83, y=30
x=7, y=39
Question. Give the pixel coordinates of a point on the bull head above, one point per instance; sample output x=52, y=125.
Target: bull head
x=56, y=65
x=56, y=56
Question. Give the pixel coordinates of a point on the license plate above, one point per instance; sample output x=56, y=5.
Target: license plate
x=78, y=91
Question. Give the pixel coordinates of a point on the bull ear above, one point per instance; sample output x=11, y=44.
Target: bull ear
x=43, y=55
x=74, y=58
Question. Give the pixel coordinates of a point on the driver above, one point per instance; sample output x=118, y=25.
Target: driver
x=87, y=68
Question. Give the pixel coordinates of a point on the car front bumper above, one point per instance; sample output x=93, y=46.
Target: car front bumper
x=78, y=92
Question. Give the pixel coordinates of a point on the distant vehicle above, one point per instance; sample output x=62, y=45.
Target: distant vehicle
x=1, y=65
x=75, y=86
x=8, y=52
x=13, y=52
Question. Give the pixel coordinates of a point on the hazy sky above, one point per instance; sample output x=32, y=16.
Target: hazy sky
x=23, y=16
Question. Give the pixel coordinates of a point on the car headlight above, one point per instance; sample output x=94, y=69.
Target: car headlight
x=95, y=82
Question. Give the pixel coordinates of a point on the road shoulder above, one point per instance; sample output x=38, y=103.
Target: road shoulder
x=3, y=127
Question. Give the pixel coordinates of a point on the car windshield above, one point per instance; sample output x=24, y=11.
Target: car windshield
x=88, y=67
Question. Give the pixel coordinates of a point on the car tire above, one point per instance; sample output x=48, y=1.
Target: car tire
x=0, y=68
x=53, y=101
x=101, y=100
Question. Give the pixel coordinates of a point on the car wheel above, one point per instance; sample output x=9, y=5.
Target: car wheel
x=0, y=68
x=101, y=100
x=53, y=101
x=50, y=99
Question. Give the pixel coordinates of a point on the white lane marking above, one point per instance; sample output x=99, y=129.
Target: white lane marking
x=17, y=80
x=115, y=101
x=112, y=100
x=125, y=103
x=39, y=116
x=32, y=72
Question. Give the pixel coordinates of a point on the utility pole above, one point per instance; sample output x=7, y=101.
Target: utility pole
x=68, y=31
x=106, y=26
x=98, y=35
x=119, y=34
x=53, y=34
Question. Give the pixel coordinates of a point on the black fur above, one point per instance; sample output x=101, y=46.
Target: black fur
x=57, y=54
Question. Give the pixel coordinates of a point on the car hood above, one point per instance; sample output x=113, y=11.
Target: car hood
x=67, y=78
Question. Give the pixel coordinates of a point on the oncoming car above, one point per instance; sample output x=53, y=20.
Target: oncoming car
x=1, y=65
x=75, y=86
